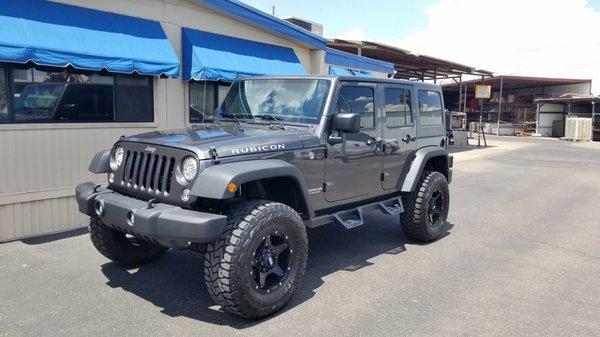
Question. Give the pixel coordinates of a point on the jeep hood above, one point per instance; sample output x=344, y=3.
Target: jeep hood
x=230, y=139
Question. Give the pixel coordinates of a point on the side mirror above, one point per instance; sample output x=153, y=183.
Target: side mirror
x=70, y=109
x=347, y=122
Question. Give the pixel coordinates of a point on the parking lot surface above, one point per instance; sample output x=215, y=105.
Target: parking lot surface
x=520, y=257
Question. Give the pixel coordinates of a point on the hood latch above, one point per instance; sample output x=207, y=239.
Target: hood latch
x=212, y=152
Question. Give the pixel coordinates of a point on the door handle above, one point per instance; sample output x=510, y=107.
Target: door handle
x=374, y=141
x=408, y=139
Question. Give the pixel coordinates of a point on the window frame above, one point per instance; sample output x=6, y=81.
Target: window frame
x=441, y=108
x=216, y=86
x=8, y=88
x=9, y=77
x=411, y=109
x=359, y=85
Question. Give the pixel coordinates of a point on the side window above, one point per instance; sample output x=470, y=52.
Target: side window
x=51, y=95
x=134, y=99
x=358, y=100
x=430, y=108
x=397, y=108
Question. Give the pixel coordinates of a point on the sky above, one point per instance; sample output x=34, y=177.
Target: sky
x=551, y=38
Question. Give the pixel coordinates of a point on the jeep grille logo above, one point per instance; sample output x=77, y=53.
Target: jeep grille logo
x=150, y=149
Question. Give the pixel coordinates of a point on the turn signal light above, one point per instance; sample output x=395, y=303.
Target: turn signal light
x=232, y=187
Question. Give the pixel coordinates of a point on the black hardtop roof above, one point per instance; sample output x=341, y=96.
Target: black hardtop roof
x=423, y=85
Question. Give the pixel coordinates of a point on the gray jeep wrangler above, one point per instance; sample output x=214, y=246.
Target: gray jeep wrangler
x=280, y=154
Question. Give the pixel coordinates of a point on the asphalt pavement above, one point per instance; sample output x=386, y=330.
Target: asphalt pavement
x=520, y=256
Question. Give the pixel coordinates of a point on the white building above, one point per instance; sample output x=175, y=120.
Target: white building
x=77, y=74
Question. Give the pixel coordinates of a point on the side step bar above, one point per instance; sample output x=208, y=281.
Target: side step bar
x=353, y=217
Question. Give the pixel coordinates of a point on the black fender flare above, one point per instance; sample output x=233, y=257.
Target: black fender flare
x=100, y=163
x=418, y=163
x=212, y=182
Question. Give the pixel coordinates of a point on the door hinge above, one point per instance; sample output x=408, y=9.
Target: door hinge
x=328, y=185
x=212, y=152
x=384, y=176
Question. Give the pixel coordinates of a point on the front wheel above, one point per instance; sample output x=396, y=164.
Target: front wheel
x=128, y=251
x=426, y=209
x=257, y=264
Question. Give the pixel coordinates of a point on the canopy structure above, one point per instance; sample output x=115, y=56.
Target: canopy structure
x=352, y=61
x=408, y=65
x=340, y=71
x=53, y=34
x=208, y=56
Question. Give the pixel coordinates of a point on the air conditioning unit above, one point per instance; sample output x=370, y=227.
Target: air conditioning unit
x=578, y=128
x=313, y=27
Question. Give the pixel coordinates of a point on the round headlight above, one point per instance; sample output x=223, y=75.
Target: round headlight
x=189, y=168
x=117, y=158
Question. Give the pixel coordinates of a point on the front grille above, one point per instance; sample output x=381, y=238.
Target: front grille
x=147, y=171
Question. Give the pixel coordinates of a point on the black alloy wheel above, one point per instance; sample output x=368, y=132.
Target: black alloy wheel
x=271, y=262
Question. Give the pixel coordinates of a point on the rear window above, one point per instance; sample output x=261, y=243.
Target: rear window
x=430, y=108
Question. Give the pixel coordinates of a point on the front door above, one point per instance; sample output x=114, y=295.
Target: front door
x=353, y=164
x=399, y=133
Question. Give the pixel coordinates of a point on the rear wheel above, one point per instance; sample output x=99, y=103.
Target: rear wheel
x=426, y=209
x=126, y=250
x=256, y=265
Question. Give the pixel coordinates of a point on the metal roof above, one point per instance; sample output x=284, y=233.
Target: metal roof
x=407, y=65
x=268, y=22
x=517, y=82
x=341, y=58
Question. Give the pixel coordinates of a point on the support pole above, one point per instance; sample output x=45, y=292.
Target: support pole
x=499, y=106
x=434, y=74
x=459, y=92
x=537, y=119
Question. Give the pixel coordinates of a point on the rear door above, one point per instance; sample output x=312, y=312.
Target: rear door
x=431, y=129
x=399, y=132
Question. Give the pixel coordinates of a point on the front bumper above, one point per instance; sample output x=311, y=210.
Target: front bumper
x=168, y=225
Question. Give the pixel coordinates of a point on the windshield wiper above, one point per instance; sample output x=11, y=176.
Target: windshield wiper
x=236, y=117
x=273, y=118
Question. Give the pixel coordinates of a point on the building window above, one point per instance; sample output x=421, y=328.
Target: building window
x=50, y=95
x=397, y=108
x=205, y=98
x=430, y=108
x=358, y=100
x=3, y=95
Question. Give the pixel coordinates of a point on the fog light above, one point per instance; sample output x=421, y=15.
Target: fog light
x=99, y=207
x=111, y=178
x=232, y=187
x=130, y=218
x=185, y=194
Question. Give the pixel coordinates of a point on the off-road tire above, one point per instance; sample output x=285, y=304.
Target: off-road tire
x=115, y=245
x=227, y=263
x=415, y=220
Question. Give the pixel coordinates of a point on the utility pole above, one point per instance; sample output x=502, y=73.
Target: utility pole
x=273, y=10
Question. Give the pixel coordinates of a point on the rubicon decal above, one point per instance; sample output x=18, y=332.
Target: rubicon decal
x=260, y=148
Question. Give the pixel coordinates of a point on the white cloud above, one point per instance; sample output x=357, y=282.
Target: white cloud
x=355, y=33
x=553, y=38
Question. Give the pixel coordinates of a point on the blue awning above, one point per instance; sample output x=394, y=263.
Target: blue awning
x=53, y=34
x=341, y=71
x=265, y=21
x=340, y=58
x=208, y=56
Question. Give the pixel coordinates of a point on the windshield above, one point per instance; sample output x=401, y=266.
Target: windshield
x=286, y=100
x=38, y=101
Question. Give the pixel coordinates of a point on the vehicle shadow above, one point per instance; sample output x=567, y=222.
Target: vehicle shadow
x=175, y=282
